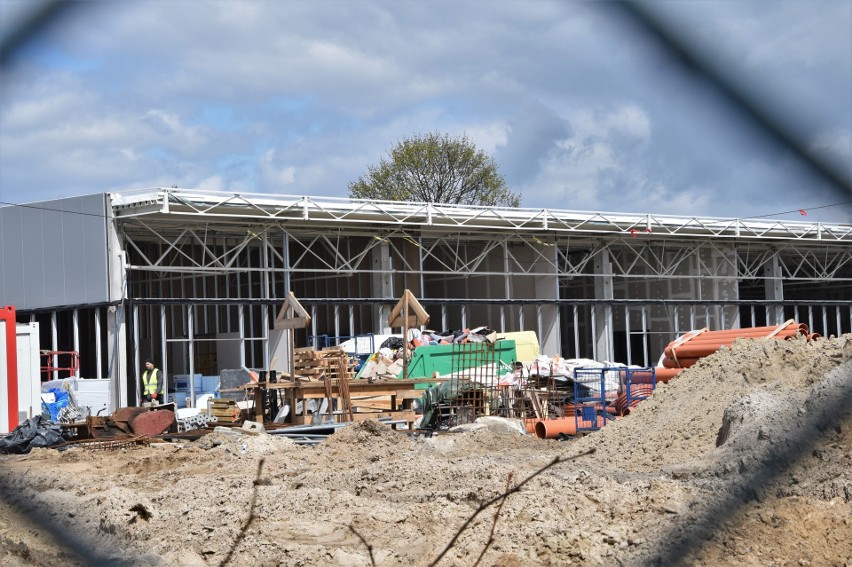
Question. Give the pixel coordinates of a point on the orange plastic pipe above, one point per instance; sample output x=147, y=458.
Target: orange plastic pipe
x=732, y=336
x=637, y=393
x=759, y=330
x=551, y=428
x=792, y=328
x=698, y=350
x=712, y=337
x=679, y=363
x=530, y=424
x=729, y=340
x=666, y=374
x=637, y=376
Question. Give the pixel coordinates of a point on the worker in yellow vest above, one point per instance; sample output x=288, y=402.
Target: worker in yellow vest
x=152, y=384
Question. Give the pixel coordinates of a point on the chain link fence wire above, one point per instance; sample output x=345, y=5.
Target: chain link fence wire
x=830, y=415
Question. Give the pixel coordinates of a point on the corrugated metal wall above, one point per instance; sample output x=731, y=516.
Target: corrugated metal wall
x=54, y=253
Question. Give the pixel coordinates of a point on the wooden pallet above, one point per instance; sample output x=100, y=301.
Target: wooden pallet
x=226, y=411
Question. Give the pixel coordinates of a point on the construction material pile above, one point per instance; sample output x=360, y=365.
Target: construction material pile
x=387, y=361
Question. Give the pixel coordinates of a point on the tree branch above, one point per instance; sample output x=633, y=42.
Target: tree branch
x=502, y=497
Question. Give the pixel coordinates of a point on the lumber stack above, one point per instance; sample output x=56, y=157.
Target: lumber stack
x=226, y=411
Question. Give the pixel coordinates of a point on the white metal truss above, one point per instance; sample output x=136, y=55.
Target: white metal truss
x=211, y=249
x=185, y=204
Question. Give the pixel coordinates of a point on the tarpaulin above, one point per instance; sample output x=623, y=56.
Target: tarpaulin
x=37, y=431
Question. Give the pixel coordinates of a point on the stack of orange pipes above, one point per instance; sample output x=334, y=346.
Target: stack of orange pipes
x=691, y=347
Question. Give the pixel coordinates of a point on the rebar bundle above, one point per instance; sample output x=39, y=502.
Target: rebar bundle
x=107, y=444
x=474, y=385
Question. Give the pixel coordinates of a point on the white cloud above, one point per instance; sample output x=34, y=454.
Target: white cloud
x=628, y=119
x=275, y=175
x=489, y=136
x=578, y=111
x=579, y=168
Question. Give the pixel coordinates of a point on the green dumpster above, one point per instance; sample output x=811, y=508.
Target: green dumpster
x=427, y=360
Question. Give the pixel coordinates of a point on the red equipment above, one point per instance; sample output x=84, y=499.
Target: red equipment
x=51, y=357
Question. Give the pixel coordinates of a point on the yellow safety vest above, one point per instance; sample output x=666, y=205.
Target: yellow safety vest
x=149, y=380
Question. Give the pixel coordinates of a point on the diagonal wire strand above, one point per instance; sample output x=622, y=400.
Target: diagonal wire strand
x=699, y=64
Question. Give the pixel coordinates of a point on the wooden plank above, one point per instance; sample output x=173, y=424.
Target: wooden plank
x=294, y=323
x=292, y=315
x=400, y=415
x=419, y=317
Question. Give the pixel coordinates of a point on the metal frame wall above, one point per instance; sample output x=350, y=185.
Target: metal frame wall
x=195, y=273
x=611, y=286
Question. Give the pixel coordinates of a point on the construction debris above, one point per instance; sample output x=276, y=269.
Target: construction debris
x=655, y=478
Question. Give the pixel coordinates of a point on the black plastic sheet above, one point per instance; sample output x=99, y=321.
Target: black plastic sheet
x=37, y=431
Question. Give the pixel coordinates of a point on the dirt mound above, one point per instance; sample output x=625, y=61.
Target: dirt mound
x=756, y=421
x=241, y=444
x=743, y=459
x=369, y=431
x=708, y=404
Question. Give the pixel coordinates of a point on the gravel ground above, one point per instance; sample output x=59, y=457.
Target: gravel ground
x=744, y=459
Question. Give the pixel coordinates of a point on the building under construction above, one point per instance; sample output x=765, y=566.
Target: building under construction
x=195, y=279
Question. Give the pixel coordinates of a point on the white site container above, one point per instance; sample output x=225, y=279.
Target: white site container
x=27, y=379
x=29, y=371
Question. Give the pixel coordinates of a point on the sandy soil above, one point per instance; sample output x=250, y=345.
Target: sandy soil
x=745, y=459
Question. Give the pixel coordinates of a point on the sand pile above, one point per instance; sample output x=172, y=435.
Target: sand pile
x=718, y=407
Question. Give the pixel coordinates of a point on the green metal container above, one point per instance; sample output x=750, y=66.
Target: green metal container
x=427, y=360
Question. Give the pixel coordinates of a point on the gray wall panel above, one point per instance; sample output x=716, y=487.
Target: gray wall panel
x=31, y=251
x=54, y=253
x=12, y=288
x=51, y=254
x=95, y=251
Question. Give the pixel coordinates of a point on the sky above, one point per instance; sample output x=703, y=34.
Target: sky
x=580, y=108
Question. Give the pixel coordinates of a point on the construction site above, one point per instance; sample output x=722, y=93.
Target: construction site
x=387, y=383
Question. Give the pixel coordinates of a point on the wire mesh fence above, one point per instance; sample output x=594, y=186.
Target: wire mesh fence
x=476, y=373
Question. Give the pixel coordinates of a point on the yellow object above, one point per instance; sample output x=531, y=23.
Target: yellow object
x=526, y=344
x=149, y=381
